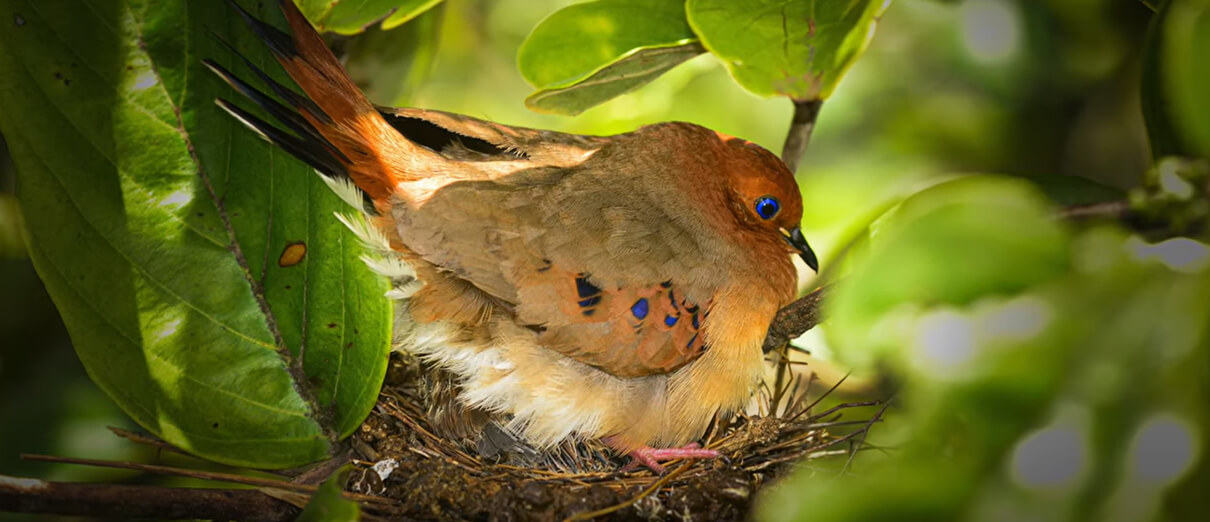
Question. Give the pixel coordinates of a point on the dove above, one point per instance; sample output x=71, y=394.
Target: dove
x=615, y=288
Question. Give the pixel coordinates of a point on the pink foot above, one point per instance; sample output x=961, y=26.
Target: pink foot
x=651, y=457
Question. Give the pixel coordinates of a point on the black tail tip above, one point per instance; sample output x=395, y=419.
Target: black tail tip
x=278, y=41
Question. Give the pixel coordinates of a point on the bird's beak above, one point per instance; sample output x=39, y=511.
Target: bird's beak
x=794, y=237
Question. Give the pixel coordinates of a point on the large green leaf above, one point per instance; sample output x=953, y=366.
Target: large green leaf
x=169, y=236
x=1176, y=78
x=585, y=54
x=950, y=244
x=794, y=48
x=353, y=16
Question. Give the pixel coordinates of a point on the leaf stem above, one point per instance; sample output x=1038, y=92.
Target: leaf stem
x=799, y=135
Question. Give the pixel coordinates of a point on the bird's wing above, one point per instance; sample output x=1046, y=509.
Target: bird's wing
x=535, y=219
x=601, y=269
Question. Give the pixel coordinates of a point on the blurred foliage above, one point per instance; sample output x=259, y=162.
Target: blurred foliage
x=1040, y=370
x=1176, y=79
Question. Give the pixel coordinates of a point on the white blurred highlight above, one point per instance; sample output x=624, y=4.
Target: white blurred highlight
x=991, y=30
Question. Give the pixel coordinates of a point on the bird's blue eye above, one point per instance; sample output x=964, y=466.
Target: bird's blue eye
x=767, y=207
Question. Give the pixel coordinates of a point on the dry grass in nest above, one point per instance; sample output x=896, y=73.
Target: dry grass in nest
x=438, y=478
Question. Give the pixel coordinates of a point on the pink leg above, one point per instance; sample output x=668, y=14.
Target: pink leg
x=651, y=457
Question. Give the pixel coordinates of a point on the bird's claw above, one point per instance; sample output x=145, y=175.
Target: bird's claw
x=651, y=457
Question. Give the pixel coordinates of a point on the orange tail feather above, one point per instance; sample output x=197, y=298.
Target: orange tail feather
x=369, y=150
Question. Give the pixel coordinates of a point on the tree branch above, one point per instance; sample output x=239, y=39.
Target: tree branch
x=1115, y=210
x=801, y=125
x=795, y=319
x=23, y=495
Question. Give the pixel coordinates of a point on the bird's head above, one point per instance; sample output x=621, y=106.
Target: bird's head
x=764, y=196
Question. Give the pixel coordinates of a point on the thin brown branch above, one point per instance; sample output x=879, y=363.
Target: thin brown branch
x=655, y=486
x=795, y=319
x=23, y=495
x=799, y=135
x=146, y=440
x=202, y=475
x=178, y=472
x=865, y=432
x=1116, y=210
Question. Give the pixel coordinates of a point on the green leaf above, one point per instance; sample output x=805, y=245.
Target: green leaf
x=1176, y=78
x=391, y=65
x=1074, y=190
x=328, y=505
x=795, y=48
x=158, y=226
x=585, y=54
x=615, y=79
x=353, y=16
x=950, y=244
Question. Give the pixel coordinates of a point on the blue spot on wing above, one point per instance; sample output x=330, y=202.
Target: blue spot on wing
x=640, y=308
x=670, y=320
x=590, y=295
x=696, y=325
x=584, y=288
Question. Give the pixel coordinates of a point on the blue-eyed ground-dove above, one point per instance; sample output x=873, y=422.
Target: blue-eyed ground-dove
x=613, y=287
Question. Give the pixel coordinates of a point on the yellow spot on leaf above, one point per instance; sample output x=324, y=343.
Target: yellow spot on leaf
x=292, y=255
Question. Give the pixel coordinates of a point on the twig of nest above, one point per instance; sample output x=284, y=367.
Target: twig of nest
x=436, y=477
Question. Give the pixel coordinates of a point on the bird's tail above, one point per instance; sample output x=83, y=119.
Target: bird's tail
x=334, y=128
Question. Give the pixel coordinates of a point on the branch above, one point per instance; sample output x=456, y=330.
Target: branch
x=23, y=495
x=801, y=125
x=1115, y=210
x=795, y=319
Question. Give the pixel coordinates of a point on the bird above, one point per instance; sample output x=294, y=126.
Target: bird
x=612, y=288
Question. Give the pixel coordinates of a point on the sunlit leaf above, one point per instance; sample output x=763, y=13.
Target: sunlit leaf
x=353, y=16
x=795, y=48
x=585, y=54
x=407, y=10
x=181, y=251
x=617, y=78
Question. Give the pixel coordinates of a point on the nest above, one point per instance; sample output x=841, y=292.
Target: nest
x=418, y=474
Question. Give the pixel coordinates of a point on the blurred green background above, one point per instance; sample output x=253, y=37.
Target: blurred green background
x=1027, y=88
